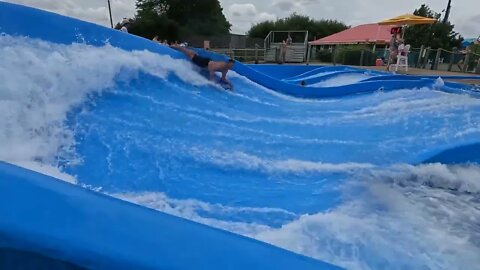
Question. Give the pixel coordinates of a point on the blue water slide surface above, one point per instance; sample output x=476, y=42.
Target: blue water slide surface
x=63, y=222
x=299, y=167
x=48, y=224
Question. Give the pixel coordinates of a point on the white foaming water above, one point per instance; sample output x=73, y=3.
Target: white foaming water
x=407, y=103
x=407, y=217
x=47, y=170
x=421, y=223
x=190, y=209
x=241, y=160
x=316, y=75
x=439, y=83
x=42, y=81
x=341, y=80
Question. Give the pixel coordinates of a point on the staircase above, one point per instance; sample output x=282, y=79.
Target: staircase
x=296, y=52
x=272, y=54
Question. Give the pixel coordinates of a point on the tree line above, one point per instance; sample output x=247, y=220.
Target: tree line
x=180, y=19
x=316, y=28
x=437, y=35
x=177, y=19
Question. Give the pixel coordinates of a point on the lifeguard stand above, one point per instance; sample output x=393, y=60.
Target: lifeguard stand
x=402, y=57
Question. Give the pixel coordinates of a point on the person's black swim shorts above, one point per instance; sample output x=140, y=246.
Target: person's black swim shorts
x=200, y=61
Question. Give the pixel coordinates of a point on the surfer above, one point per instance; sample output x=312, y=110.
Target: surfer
x=209, y=64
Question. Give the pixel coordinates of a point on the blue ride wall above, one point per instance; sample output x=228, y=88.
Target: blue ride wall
x=47, y=218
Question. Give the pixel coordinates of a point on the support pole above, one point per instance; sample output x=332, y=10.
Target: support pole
x=309, y=53
x=452, y=59
x=110, y=12
x=465, y=63
x=437, y=59
x=334, y=56
x=477, y=70
x=426, y=56
x=362, y=55
x=420, y=56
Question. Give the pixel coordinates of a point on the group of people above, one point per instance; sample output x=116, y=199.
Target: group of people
x=166, y=43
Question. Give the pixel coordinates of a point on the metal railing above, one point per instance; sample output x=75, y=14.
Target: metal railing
x=243, y=55
x=345, y=56
x=441, y=59
x=424, y=58
x=273, y=42
x=444, y=60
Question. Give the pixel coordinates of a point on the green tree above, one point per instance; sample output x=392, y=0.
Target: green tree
x=179, y=18
x=149, y=23
x=436, y=35
x=316, y=28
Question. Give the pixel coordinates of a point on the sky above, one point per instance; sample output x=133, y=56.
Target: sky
x=242, y=14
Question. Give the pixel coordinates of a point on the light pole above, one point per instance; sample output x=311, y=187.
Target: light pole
x=110, y=12
x=447, y=12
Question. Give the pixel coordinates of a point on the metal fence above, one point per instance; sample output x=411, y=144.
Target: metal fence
x=347, y=56
x=424, y=58
x=226, y=41
x=441, y=59
x=444, y=60
x=243, y=55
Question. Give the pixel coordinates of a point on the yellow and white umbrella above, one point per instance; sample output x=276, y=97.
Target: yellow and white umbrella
x=408, y=19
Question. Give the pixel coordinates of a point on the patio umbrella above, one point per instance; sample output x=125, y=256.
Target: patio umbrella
x=407, y=19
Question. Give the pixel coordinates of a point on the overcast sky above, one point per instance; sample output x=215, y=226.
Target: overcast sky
x=243, y=13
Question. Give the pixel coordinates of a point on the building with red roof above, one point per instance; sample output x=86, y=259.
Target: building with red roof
x=362, y=34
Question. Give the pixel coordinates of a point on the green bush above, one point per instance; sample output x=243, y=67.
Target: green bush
x=325, y=56
x=351, y=55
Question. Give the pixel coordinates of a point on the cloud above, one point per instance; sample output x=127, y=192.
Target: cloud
x=469, y=27
x=264, y=16
x=243, y=13
x=288, y=7
x=243, y=10
x=243, y=16
x=88, y=10
x=284, y=5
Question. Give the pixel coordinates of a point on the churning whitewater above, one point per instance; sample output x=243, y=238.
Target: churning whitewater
x=325, y=178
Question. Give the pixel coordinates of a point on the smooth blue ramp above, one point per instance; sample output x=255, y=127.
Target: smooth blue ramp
x=60, y=221
x=463, y=154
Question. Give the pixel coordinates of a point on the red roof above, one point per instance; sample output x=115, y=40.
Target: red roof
x=366, y=33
